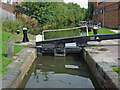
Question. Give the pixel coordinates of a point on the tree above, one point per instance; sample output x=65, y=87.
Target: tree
x=90, y=10
x=57, y=13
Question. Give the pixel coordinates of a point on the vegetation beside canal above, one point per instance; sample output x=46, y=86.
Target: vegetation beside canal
x=60, y=17
x=102, y=31
x=54, y=13
x=116, y=68
x=5, y=60
x=9, y=28
x=12, y=26
x=9, y=33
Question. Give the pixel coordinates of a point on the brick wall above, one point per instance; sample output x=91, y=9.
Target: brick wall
x=8, y=7
x=119, y=14
x=111, y=16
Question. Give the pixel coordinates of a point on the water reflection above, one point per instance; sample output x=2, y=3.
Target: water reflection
x=60, y=72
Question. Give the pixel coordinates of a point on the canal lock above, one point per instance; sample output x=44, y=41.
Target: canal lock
x=49, y=71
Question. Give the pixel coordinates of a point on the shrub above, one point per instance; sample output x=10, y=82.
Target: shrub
x=27, y=19
x=114, y=28
x=12, y=26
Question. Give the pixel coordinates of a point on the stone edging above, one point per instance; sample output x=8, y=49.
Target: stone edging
x=99, y=63
x=18, y=68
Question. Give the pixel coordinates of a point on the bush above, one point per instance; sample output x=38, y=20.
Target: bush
x=114, y=28
x=12, y=26
x=57, y=13
x=25, y=18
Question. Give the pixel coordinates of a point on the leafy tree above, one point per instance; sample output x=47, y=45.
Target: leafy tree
x=90, y=10
x=55, y=13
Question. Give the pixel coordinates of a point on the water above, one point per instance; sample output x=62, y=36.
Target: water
x=59, y=72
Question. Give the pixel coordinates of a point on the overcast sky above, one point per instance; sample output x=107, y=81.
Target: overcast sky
x=82, y=3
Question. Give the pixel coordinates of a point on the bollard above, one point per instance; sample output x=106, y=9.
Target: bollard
x=18, y=32
x=10, y=51
x=25, y=38
x=38, y=38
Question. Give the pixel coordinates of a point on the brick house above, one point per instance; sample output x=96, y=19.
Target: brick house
x=107, y=13
x=10, y=5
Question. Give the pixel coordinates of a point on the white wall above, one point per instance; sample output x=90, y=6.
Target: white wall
x=7, y=1
x=4, y=15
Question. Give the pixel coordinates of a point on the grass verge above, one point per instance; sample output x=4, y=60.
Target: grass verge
x=5, y=60
x=12, y=36
x=102, y=31
x=116, y=68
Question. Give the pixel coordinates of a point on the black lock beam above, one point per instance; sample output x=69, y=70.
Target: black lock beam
x=81, y=39
x=59, y=48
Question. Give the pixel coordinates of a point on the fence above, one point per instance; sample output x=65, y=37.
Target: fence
x=90, y=24
x=83, y=24
x=64, y=30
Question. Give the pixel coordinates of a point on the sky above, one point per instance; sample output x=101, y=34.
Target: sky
x=82, y=3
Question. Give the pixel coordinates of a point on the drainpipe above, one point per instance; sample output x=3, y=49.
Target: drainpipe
x=103, y=14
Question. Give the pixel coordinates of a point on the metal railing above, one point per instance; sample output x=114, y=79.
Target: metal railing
x=90, y=24
x=82, y=24
x=64, y=30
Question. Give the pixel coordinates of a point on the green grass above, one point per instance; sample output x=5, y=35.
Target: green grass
x=102, y=31
x=0, y=52
x=116, y=68
x=13, y=36
x=12, y=26
x=9, y=29
x=48, y=35
x=5, y=60
x=5, y=36
x=20, y=36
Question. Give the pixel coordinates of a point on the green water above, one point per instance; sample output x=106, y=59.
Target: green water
x=59, y=72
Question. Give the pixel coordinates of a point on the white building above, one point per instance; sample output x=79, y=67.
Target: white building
x=7, y=1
